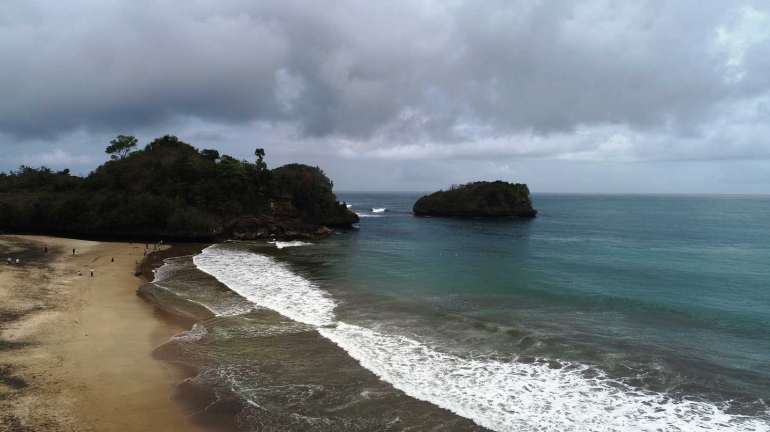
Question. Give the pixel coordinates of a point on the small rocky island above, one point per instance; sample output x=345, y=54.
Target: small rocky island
x=478, y=199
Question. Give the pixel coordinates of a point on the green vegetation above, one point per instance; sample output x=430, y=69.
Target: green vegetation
x=169, y=188
x=478, y=199
x=121, y=147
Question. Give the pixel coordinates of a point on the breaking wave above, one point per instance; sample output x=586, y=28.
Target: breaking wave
x=499, y=395
x=295, y=243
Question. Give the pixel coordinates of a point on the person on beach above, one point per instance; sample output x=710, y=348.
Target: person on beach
x=73, y=251
x=17, y=261
x=92, y=272
x=112, y=259
x=79, y=273
x=46, y=249
x=9, y=260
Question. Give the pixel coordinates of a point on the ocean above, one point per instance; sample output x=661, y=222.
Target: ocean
x=605, y=313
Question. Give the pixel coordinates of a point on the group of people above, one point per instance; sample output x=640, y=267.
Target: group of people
x=92, y=272
x=18, y=261
x=155, y=248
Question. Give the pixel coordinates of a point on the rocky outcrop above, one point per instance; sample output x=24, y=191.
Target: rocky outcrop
x=286, y=223
x=342, y=220
x=265, y=227
x=479, y=199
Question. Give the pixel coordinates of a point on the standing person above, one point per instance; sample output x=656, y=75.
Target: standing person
x=9, y=260
x=73, y=251
x=46, y=249
x=17, y=261
x=92, y=272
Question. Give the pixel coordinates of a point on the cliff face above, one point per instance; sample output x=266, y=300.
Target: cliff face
x=284, y=221
x=479, y=199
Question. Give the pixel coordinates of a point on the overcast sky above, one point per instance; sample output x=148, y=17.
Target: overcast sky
x=567, y=96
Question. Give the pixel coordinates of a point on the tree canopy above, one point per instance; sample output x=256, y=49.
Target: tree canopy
x=168, y=187
x=121, y=147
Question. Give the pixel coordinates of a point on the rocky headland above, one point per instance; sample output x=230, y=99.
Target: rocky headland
x=478, y=199
x=172, y=190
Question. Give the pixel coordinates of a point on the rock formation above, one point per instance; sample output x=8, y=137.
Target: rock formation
x=478, y=199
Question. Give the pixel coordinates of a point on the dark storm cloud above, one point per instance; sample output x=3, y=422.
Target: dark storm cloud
x=425, y=70
x=405, y=87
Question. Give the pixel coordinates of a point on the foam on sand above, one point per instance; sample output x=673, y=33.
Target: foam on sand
x=165, y=274
x=502, y=396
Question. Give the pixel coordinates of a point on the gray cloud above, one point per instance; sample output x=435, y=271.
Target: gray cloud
x=423, y=81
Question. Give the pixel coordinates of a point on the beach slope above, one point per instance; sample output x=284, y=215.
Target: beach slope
x=75, y=350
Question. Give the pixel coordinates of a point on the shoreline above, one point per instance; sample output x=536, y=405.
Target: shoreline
x=75, y=351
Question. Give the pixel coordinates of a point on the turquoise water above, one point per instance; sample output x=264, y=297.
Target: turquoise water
x=674, y=287
x=603, y=313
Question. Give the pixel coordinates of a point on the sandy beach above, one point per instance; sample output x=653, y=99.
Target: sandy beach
x=75, y=350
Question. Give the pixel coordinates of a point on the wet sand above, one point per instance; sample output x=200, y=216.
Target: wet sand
x=75, y=350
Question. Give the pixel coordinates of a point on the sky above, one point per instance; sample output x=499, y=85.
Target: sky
x=566, y=96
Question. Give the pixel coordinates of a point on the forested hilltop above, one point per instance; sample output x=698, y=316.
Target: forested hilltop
x=478, y=199
x=171, y=189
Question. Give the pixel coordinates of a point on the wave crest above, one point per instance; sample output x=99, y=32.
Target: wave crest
x=502, y=396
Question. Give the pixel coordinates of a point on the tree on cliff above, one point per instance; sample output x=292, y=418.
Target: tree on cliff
x=210, y=154
x=260, y=154
x=121, y=147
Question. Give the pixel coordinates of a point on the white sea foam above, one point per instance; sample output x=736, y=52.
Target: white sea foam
x=295, y=243
x=196, y=332
x=517, y=396
x=164, y=272
x=267, y=283
x=368, y=215
x=498, y=395
x=349, y=205
x=379, y=210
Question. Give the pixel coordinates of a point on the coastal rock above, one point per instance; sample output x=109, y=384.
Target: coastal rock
x=343, y=220
x=264, y=227
x=478, y=199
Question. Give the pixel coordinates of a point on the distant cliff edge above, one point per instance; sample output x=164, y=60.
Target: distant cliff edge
x=171, y=189
x=478, y=199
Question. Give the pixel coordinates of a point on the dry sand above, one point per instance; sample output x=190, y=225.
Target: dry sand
x=75, y=351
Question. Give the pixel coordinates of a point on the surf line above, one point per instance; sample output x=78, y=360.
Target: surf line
x=496, y=395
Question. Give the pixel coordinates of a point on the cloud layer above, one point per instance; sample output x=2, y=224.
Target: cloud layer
x=599, y=81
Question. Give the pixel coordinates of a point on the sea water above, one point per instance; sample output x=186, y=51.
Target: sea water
x=603, y=313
